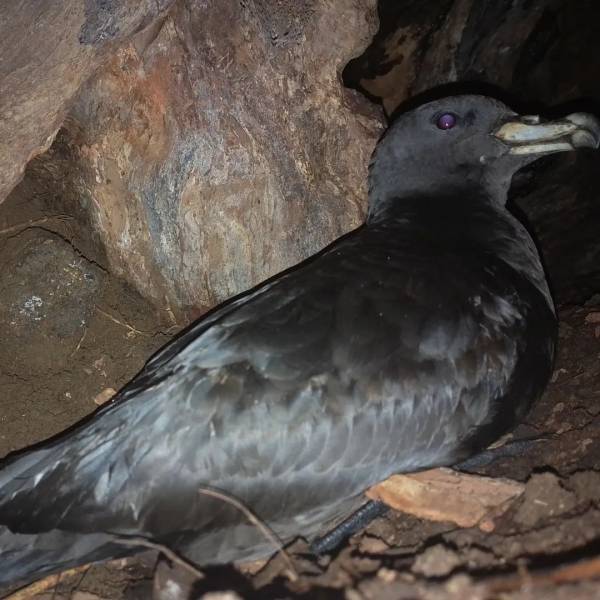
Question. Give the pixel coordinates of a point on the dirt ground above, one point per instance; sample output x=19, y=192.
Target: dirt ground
x=70, y=331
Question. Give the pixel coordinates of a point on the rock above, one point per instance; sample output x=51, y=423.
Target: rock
x=544, y=498
x=436, y=561
x=592, y=301
x=207, y=162
x=79, y=595
x=368, y=544
x=385, y=585
x=172, y=582
x=426, y=44
x=585, y=485
x=387, y=575
x=477, y=558
x=47, y=50
x=458, y=587
x=564, y=330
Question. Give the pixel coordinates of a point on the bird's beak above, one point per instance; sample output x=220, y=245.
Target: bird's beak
x=529, y=135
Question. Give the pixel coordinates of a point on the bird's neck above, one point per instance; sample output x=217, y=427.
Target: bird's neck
x=404, y=189
x=430, y=206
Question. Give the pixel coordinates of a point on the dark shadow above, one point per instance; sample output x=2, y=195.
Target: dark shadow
x=222, y=577
x=459, y=88
x=394, y=15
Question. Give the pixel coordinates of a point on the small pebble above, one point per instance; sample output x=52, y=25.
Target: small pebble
x=104, y=396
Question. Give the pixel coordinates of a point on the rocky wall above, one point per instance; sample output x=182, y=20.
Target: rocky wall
x=218, y=145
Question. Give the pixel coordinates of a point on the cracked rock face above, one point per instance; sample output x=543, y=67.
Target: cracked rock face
x=47, y=50
x=218, y=146
x=222, y=148
x=48, y=293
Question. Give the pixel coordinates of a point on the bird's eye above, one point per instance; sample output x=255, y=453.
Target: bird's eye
x=446, y=121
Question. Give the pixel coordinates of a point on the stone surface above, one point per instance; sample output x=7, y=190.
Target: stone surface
x=436, y=561
x=47, y=50
x=428, y=44
x=544, y=498
x=219, y=146
x=233, y=143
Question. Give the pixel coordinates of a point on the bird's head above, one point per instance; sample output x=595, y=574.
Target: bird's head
x=464, y=143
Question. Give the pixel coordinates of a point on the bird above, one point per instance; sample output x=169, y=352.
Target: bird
x=412, y=342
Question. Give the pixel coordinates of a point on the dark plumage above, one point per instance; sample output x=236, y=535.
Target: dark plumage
x=412, y=342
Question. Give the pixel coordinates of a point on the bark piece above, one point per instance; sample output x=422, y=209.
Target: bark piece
x=47, y=50
x=446, y=495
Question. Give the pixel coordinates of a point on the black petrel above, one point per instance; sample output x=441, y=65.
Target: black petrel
x=413, y=342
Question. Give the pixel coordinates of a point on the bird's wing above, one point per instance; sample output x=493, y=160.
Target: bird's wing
x=365, y=361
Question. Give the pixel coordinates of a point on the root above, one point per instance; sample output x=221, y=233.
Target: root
x=170, y=554
x=43, y=585
x=132, y=330
x=258, y=523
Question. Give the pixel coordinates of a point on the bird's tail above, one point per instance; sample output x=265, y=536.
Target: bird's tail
x=27, y=557
x=33, y=554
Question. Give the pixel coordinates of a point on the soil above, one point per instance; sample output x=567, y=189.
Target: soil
x=71, y=331
x=67, y=335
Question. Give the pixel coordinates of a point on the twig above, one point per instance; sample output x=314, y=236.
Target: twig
x=76, y=585
x=121, y=323
x=254, y=520
x=38, y=587
x=33, y=223
x=79, y=343
x=170, y=554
